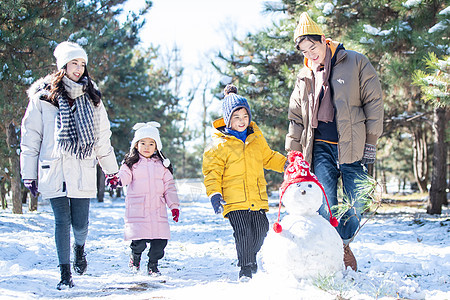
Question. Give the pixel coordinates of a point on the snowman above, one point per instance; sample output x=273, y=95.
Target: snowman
x=304, y=245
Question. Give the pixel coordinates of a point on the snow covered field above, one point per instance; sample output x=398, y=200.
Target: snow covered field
x=402, y=254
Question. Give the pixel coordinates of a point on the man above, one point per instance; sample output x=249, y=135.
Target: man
x=336, y=117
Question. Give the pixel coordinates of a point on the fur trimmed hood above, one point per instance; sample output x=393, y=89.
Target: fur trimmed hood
x=38, y=89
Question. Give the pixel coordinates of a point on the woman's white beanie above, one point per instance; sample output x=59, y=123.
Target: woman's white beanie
x=66, y=51
x=149, y=130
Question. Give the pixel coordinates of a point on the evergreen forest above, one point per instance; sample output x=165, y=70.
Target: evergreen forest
x=406, y=41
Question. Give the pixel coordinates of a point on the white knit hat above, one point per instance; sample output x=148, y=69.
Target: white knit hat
x=149, y=130
x=66, y=51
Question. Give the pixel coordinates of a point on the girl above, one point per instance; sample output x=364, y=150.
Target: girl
x=233, y=166
x=150, y=188
x=65, y=131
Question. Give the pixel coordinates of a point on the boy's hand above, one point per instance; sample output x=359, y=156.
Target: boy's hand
x=217, y=203
x=175, y=214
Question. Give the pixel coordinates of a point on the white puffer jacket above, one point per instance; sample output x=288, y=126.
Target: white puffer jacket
x=60, y=174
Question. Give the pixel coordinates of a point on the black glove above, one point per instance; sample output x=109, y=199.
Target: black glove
x=370, y=152
x=217, y=203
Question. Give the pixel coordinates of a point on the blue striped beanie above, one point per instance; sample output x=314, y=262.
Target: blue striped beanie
x=230, y=104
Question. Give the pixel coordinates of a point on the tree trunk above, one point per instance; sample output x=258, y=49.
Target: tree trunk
x=13, y=145
x=24, y=194
x=3, y=192
x=100, y=184
x=371, y=169
x=33, y=203
x=420, y=161
x=447, y=117
x=438, y=175
x=382, y=175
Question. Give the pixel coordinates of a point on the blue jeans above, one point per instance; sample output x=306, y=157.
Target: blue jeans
x=69, y=211
x=328, y=170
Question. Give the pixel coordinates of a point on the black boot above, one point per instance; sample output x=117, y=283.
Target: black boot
x=135, y=261
x=66, y=277
x=152, y=269
x=245, y=274
x=254, y=267
x=80, y=263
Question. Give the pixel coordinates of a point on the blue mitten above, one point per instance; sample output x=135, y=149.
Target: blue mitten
x=369, y=155
x=217, y=203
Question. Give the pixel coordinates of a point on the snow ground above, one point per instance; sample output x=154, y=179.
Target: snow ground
x=402, y=254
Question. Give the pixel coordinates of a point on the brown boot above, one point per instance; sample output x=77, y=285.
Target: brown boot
x=349, y=258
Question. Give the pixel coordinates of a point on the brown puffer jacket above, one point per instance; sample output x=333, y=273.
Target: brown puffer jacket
x=358, y=104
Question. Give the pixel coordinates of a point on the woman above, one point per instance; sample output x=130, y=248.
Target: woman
x=65, y=131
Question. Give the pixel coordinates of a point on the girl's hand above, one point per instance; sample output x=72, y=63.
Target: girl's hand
x=113, y=181
x=175, y=214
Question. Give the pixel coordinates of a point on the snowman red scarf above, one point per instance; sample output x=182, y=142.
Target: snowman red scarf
x=298, y=171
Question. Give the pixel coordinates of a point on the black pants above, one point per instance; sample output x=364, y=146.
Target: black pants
x=250, y=229
x=156, y=251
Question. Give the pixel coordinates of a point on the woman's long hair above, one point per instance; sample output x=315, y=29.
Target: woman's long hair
x=57, y=89
x=132, y=157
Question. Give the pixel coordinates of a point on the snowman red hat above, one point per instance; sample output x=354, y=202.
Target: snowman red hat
x=298, y=171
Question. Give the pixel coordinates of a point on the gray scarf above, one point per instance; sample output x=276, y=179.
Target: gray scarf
x=76, y=125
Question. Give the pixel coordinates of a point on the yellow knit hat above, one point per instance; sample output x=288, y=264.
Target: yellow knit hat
x=306, y=26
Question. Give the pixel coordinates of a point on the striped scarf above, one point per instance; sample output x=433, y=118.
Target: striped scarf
x=76, y=125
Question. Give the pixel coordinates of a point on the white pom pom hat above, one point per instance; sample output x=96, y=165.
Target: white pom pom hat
x=66, y=51
x=149, y=130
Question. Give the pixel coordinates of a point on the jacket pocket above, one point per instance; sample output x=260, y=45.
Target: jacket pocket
x=234, y=192
x=262, y=186
x=88, y=175
x=163, y=209
x=135, y=207
x=49, y=177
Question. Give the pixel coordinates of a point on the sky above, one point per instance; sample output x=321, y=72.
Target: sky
x=402, y=253
x=199, y=28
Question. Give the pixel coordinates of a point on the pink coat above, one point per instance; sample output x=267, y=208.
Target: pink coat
x=150, y=188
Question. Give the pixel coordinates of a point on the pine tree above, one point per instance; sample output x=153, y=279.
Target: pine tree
x=435, y=86
x=133, y=90
x=26, y=38
x=395, y=35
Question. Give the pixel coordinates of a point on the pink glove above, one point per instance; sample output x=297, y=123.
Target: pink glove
x=175, y=214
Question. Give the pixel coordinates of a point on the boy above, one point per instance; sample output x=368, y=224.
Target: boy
x=233, y=166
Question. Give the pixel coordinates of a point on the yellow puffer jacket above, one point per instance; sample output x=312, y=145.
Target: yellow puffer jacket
x=236, y=170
